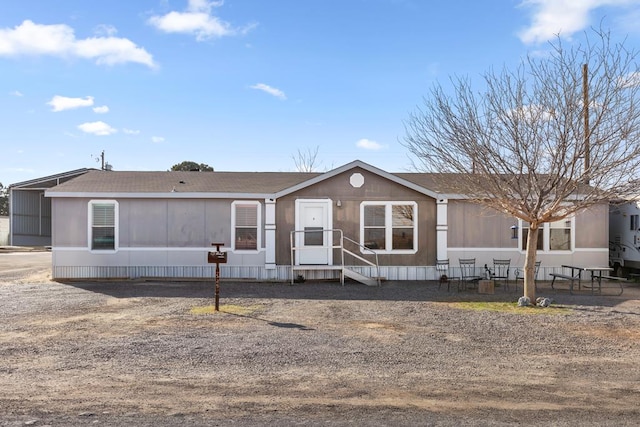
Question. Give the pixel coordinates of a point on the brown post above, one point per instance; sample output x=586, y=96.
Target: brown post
x=217, y=286
x=218, y=257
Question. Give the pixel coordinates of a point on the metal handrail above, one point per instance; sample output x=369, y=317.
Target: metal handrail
x=364, y=249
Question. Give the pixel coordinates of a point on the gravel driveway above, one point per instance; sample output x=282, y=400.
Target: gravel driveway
x=153, y=354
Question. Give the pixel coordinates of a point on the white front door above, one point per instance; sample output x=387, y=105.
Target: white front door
x=313, y=240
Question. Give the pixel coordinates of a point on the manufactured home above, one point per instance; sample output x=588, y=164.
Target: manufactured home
x=356, y=221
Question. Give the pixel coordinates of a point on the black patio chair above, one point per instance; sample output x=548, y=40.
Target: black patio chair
x=468, y=275
x=500, y=272
x=444, y=274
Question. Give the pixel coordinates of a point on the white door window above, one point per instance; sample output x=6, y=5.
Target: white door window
x=313, y=238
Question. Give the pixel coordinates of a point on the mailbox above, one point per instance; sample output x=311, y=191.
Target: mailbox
x=217, y=257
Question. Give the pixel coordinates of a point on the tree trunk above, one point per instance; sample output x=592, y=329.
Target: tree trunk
x=530, y=263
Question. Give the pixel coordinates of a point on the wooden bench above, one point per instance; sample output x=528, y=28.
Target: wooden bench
x=618, y=280
x=576, y=275
x=572, y=279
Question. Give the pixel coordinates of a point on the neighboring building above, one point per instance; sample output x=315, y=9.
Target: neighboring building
x=30, y=211
x=277, y=225
x=4, y=230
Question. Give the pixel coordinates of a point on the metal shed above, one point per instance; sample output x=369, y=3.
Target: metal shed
x=30, y=210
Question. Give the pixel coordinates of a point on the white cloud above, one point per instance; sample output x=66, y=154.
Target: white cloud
x=105, y=30
x=59, y=40
x=131, y=131
x=630, y=80
x=61, y=103
x=367, y=144
x=197, y=20
x=16, y=93
x=564, y=17
x=531, y=113
x=112, y=51
x=97, y=128
x=157, y=139
x=270, y=90
x=101, y=110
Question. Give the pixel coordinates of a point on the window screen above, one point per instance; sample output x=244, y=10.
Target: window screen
x=246, y=226
x=103, y=227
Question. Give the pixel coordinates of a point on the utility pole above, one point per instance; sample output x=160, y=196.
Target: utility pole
x=585, y=109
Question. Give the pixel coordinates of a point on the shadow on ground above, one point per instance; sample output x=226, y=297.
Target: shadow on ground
x=389, y=291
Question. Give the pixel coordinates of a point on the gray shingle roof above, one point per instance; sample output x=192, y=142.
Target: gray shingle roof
x=185, y=182
x=237, y=183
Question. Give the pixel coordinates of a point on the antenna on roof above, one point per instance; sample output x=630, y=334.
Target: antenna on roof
x=100, y=159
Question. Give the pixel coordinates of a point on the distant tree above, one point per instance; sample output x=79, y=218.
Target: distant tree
x=4, y=200
x=307, y=161
x=528, y=144
x=191, y=166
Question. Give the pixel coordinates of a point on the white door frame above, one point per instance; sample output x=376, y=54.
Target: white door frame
x=323, y=255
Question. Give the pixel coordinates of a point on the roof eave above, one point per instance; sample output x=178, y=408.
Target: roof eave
x=157, y=195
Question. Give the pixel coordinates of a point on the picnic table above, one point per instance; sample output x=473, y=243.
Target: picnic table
x=597, y=275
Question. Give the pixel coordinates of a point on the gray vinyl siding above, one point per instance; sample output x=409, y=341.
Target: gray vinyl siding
x=474, y=226
x=149, y=223
x=174, y=223
x=69, y=222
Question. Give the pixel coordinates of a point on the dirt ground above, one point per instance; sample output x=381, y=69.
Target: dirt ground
x=153, y=353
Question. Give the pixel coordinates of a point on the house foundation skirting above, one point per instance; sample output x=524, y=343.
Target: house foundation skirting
x=258, y=273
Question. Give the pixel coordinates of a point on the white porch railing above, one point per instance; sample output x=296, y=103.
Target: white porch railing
x=340, y=245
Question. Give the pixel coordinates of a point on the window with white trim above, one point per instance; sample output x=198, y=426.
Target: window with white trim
x=553, y=236
x=103, y=224
x=246, y=216
x=389, y=226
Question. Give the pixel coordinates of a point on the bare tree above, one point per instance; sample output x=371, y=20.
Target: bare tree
x=306, y=161
x=555, y=136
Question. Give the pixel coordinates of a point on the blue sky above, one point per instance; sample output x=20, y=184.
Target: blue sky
x=245, y=85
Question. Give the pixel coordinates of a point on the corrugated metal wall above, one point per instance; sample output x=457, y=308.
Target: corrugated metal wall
x=31, y=218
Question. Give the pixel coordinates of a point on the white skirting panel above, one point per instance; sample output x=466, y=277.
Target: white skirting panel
x=205, y=272
x=259, y=273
